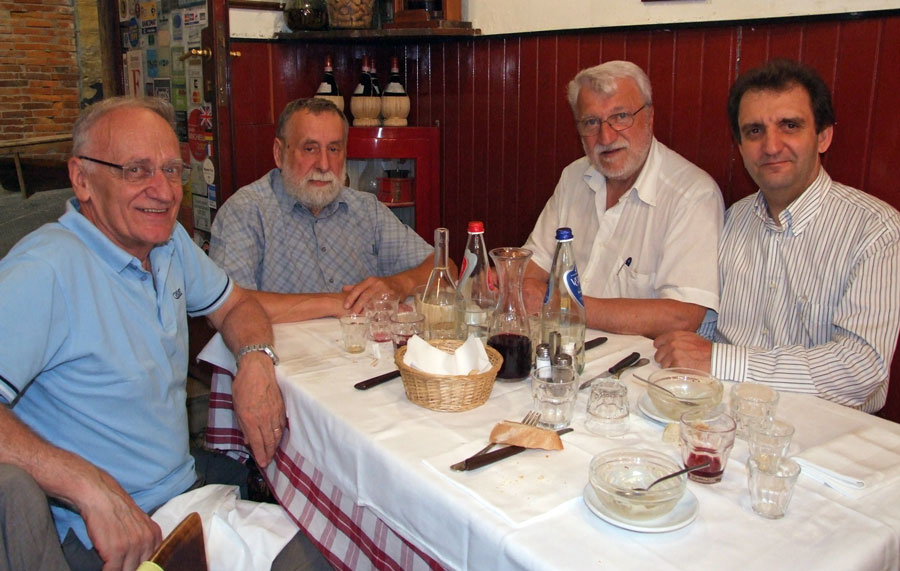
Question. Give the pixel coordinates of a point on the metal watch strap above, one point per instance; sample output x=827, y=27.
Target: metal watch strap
x=267, y=349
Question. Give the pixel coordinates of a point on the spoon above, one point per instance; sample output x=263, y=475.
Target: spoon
x=672, y=475
x=639, y=363
x=665, y=390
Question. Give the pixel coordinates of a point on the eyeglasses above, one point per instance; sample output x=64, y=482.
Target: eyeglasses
x=139, y=171
x=590, y=126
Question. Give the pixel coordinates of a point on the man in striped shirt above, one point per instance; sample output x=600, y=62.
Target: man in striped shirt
x=810, y=301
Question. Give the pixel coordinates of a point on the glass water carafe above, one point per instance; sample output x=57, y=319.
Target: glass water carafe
x=438, y=303
x=509, y=331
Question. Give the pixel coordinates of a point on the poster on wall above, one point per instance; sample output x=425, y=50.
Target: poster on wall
x=152, y=65
x=124, y=10
x=194, y=20
x=176, y=28
x=164, y=62
x=194, y=80
x=134, y=71
x=201, y=212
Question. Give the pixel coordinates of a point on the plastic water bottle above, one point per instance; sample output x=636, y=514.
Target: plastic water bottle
x=477, y=298
x=563, y=309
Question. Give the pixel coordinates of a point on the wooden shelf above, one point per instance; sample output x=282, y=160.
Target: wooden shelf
x=369, y=34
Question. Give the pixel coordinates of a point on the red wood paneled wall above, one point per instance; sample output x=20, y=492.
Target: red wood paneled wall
x=507, y=130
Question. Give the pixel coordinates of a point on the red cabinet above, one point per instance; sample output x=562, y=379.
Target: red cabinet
x=412, y=149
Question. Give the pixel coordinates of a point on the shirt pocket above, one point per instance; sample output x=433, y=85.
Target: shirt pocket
x=631, y=283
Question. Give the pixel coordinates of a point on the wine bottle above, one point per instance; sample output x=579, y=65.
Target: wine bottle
x=394, y=87
x=328, y=86
x=376, y=88
x=364, y=87
x=563, y=307
x=477, y=298
x=439, y=298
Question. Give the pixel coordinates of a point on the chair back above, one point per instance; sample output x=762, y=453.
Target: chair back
x=183, y=549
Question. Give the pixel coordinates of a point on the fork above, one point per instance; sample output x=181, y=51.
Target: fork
x=531, y=419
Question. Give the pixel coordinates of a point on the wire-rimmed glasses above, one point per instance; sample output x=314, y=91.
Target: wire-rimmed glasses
x=141, y=170
x=590, y=126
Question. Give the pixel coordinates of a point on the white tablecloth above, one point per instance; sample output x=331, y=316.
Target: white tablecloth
x=382, y=451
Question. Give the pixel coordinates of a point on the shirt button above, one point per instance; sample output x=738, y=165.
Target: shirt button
x=765, y=332
x=772, y=285
x=322, y=248
x=331, y=281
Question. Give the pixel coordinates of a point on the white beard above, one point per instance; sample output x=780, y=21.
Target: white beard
x=313, y=197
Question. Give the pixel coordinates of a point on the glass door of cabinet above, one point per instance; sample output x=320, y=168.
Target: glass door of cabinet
x=401, y=166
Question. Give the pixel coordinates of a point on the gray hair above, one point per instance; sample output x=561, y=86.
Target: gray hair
x=90, y=116
x=602, y=79
x=314, y=105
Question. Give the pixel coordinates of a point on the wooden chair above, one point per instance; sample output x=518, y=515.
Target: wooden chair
x=183, y=549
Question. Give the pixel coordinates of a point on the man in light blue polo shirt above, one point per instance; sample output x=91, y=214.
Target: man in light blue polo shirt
x=311, y=246
x=94, y=360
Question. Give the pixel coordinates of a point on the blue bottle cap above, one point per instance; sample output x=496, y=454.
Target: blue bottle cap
x=563, y=234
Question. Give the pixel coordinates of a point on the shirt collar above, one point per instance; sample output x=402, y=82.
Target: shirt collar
x=644, y=184
x=117, y=258
x=290, y=203
x=799, y=213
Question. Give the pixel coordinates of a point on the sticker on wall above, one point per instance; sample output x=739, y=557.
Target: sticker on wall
x=209, y=171
x=194, y=73
x=181, y=131
x=196, y=134
x=201, y=213
x=148, y=17
x=164, y=62
x=123, y=10
x=134, y=33
x=152, y=67
x=176, y=25
x=162, y=88
x=211, y=195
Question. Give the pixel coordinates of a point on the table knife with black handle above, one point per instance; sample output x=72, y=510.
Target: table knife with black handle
x=375, y=381
x=479, y=461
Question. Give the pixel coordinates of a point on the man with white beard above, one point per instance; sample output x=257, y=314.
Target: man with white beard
x=310, y=246
x=646, y=221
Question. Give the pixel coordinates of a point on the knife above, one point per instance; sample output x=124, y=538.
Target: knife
x=594, y=343
x=375, y=381
x=624, y=363
x=479, y=461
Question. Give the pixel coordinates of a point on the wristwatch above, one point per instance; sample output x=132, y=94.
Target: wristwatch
x=267, y=349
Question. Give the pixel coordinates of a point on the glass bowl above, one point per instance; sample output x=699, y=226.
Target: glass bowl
x=692, y=388
x=615, y=474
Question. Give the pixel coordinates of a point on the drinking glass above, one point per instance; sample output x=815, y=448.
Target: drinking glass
x=354, y=328
x=607, y=409
x=404, y=325
x=773, y=439
x=554, y=393
x=706, y=434
x=752, y=404
x=379, y=310
x=771, y=481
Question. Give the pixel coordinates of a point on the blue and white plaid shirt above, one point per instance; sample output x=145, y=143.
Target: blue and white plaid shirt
x=266, y=241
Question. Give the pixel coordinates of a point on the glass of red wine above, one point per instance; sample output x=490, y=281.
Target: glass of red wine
x=707, y=434
x=404, y=325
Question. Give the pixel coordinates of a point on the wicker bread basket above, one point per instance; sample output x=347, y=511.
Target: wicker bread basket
x=449, y=393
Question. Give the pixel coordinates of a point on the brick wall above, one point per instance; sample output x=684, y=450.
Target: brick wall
x=39, y=72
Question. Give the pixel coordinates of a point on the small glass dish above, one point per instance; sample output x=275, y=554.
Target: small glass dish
x=688, y=389
x=615, y=474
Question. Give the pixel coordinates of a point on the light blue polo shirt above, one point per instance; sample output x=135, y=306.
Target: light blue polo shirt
x=94, y=352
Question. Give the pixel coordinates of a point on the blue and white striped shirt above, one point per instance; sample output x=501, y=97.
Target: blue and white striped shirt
x=813, y=305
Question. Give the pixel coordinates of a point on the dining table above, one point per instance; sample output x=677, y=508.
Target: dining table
x=366, y=475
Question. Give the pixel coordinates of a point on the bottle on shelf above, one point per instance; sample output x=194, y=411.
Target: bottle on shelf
x=477, y=298
x=563, y=309
x=328, y=88
x=364, y=106
x=394, y=100
x=373, y=73
x=370, y=177
x=438, y=303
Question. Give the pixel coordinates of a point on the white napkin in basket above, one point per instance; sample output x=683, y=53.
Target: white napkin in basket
x=470, y=356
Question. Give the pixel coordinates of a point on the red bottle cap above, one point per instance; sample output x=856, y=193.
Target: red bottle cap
x=476, y=227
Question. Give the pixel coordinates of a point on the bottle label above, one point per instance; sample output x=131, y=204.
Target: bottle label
x=467, y=266
x=573, y=285
x=324, y=88
x=395, y=88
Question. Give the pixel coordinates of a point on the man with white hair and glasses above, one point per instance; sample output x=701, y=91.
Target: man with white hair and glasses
x=310, y=246
x=646, y=221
